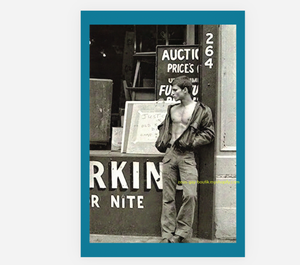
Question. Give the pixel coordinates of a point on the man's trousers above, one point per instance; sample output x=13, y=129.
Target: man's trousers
x=178, y=166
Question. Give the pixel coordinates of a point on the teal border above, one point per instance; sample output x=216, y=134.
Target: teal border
x=155, y=249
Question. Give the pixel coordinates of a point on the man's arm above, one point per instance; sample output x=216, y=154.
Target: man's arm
x=206, y=133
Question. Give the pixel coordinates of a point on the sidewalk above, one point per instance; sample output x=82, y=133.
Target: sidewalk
x=95, y=238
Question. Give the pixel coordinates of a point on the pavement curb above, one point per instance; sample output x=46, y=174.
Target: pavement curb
x=97, y=238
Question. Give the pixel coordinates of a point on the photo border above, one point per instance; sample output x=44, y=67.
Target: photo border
x=236, y=249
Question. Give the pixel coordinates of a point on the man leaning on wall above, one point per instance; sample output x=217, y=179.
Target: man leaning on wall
x=187, y=126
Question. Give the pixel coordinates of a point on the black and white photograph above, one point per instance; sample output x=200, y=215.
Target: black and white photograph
x=163, y=134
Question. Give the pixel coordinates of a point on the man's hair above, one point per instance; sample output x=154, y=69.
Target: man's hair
x=183, y=81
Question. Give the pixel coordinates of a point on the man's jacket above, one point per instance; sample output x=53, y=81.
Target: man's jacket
x=200, y=130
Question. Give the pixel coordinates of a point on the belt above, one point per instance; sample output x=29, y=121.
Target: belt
x=177, y=149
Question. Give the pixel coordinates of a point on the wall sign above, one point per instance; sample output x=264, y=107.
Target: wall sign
x=125, y=193
x=173, y=61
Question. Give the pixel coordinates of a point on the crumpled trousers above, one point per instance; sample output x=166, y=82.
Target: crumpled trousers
x=177, y=164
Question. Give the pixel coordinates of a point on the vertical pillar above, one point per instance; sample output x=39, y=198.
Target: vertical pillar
x=208, y=38
x=190, y=34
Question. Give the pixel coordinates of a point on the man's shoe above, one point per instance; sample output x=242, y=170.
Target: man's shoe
x=176, y=239
x=164, y=240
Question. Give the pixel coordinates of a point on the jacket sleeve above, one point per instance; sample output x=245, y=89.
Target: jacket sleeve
x=206, y=132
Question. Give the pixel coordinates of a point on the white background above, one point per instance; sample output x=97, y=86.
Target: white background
x=40, y=129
